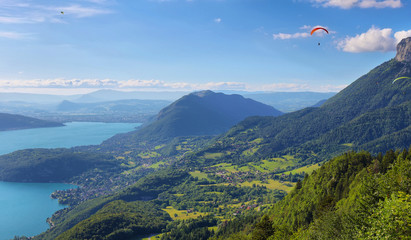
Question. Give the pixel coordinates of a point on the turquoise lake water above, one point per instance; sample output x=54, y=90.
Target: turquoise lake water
x=24, y=207
x=73, y=134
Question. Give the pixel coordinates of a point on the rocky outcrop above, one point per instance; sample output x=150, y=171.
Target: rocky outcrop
x=404, y=50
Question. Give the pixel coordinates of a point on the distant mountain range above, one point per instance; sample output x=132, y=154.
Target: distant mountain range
x=284, y=101
x=14, y=122
x=290, y=101
x=113, y=107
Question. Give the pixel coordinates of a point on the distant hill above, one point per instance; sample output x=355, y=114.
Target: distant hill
x=114, y=95
x=372, y=113
x=289, y=101
x=14, y=122
x=112, y=107
x=319, y=103
x=202, y=113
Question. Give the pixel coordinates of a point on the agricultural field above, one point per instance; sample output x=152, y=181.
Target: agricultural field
x=271, y=184
x=182, y=214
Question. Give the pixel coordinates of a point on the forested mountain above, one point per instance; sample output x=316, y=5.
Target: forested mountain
x=13, y=122
x=353, y=196
x=205, y=113
x=197, y=114
x=372, y=113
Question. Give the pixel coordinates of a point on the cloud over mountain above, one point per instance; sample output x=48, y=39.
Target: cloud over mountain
x=373, y=40
x=347, y=4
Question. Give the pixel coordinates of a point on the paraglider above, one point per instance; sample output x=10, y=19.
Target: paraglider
x=62, y=12
x=318, y=28
x=400, y=78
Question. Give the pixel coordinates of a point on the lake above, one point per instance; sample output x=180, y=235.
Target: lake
x=24, y=207
x=73, y=134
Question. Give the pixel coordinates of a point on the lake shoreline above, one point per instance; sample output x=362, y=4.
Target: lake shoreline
x=28, y=207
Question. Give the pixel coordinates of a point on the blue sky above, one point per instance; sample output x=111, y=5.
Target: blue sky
x=250, y=45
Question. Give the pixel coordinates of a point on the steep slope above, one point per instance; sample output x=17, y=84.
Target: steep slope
x=353, y=196
x=13, y=122
x=370, y=109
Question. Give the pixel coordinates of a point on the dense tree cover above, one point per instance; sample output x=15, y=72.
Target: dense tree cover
x=239, y=226
x=50, y=165
x=193, y=229
x=146, y=188
x=354, y=196
x=370, y=114
x=13, y=122
x=67, y=218
x=376, y=131
x=119, y=220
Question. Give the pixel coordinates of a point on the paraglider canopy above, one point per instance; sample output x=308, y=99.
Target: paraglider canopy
x=400, y=78
x=318, y=28
x=62, y=12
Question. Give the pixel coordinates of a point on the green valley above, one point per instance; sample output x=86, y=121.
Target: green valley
x=208, y=168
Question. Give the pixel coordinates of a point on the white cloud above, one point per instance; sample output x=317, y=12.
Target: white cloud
x=14, y=35
x=347, y=4
x=110, y=83
x=157, y=85
x=401, y=35
x=4, y=19
x=380, y=4
x=82, y=12
x=217, y=20
x=305, y=27
x=23, y=13
x=290, y=36
x=373, y=40
x=306, y=34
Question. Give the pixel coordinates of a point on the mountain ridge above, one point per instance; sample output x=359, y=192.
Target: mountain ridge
x=295, y=133
x=16, y=122
x=202, y=113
